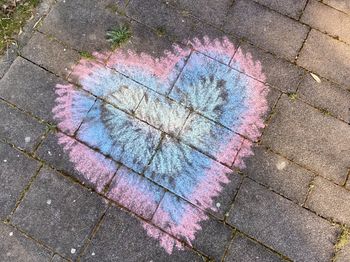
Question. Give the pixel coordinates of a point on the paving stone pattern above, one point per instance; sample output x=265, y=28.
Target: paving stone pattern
x=291, y=200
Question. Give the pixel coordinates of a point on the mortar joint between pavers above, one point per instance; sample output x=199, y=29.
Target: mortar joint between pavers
x=92, y=234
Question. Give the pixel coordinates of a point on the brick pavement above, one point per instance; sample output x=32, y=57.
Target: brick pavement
x=116, y=158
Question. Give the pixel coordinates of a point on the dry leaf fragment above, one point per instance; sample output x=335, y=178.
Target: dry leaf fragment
x=317, y=79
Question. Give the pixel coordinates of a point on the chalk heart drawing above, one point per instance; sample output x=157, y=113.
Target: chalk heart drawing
x=163, y=133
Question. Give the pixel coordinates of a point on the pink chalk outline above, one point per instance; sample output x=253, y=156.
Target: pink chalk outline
x=97, y=169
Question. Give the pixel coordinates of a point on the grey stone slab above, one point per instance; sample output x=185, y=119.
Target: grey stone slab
x=53, y=153
x=82, y=24
x=266, y=28
x=18, y=128
x=327, y=19
x=14, y=246
x=342, y=5
x=276, y=72
x=59, y=213
x=322, y=54
x=213, y=12
x=213, y=238
x=16, y=170
x=50, y=54
x=58, y=258
x=121, y=237
x=243, y=249
x=330, y=200
x=326, y=96
x=282, y=225
x=168, y=21
x=292, y=132
x=146, y=40
x=278, y=173
x=30, y=87
x=292, y=8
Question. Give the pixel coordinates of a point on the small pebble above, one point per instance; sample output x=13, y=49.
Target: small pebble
x=93, y=253
x=11, y=234
x=48, y=202
x=5, y=160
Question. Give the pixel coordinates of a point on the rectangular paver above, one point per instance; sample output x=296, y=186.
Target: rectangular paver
x=278, y=173
x=326, y=96
x=243, y=249
x=16, y=170
x=266, y=28
x=32, y=90
x=310, y=138
x=327, y=19
x=327, y=57
x=82, y=24
x=50, y=54
x=19, y=128
x=276, y=71
x=282, y=225
x=330, y=200
x=121, y=237
x=59, y=213
x=14, y=246
x=292, y=8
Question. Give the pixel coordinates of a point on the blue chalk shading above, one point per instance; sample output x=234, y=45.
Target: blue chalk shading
x=212, y=89
x=178, y=167
x=117, y=134
x=206, y=135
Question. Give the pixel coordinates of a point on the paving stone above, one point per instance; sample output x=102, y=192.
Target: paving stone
x=16, y=172
x=213, y=12
x=327, y=153
x=278, y=72
x=57, y=258
x=248, y=19
x=322, y=54
x=30, y=88
x=82, y=24
x=59, y=213
x=282, y=225
x=145, y=40
x=50, y=54
x=330, y=200
x=342, y=5
x=213, y=239
x=278, y=173
x=292, y=8
x=327, y=96
x=327, y=19
x=16, y=247
x=168, y=21
x=19, y=128
x=243, y=249
x=53, y=153
x=121, y=237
